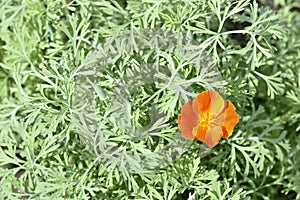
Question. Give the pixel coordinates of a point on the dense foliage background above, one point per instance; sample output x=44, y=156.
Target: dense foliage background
x=254, y=44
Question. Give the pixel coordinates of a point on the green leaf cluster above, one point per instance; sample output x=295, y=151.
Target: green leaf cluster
x=254, y=45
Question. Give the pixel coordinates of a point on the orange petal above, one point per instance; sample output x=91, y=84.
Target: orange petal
x=209, y=101
x=202, y=102
x=195, y=106
x=201, y=133
x=219, y=120
x=217, y=103
x=213, y=136
x=187, y=120
x=179, y=120
x=231, y=119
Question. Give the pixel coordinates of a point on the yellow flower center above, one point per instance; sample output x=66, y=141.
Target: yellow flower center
x=204, y=120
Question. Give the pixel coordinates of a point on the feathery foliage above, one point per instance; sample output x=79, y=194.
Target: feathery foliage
x=249, y=50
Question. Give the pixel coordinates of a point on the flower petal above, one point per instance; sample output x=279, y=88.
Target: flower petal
x=202, y=102
x=187, y=121
x=219, y=120
x=209, y=101
x=201, y=133
x=231, y=119
x=195, y=106
x=213, y=136
x=217, y=103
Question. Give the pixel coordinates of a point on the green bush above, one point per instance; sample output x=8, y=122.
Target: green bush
x=254, y=45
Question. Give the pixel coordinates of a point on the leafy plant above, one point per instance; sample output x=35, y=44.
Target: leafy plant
x=249, y=50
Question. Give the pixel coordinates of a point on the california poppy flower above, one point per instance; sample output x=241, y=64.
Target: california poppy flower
x=208, y=118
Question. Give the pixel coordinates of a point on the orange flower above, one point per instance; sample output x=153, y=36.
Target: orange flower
x=208, y=118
